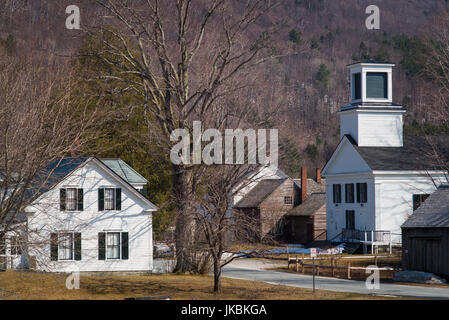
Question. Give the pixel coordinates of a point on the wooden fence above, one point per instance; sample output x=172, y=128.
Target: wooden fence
x=300, y=263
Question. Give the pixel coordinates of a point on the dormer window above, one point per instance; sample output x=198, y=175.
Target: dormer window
x=376, y=85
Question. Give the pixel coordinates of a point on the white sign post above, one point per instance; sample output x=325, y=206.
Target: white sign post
x=313, y=255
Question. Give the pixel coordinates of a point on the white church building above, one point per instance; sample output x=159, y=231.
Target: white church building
x=376, y=177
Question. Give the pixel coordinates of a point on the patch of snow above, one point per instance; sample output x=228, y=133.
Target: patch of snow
x=417, y=277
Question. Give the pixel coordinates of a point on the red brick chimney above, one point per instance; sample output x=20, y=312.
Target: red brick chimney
x=303, y=183
x=318, y=175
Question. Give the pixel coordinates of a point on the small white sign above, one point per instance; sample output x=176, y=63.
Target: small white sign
x=313, y=252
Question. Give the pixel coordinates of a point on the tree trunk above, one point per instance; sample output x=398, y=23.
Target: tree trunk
x=185, y=223
x=217, y=274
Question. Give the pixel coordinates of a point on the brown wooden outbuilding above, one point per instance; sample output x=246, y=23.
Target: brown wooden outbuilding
x=425, y=235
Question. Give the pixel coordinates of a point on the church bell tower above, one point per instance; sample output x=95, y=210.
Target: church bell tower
x=372, y=119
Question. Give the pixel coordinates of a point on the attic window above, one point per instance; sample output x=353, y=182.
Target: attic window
x=376, y=85
x=288, y=200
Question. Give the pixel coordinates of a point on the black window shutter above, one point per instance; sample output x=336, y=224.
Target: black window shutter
x=100, y=199
x=62, y=197
x=118, y=199
x=77, y=239
x=339, y=193
x=125, y=246
x=80, y=200
x=364, y=192
x=101, y=246
x=359, y=191
x=54, y=247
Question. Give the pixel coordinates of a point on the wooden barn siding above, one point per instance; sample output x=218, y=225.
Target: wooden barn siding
x=272, y=209
x=296, y=226
x=426, y=249
x=319, y=222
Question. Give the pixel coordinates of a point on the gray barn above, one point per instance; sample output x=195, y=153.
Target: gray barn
x=425, y=235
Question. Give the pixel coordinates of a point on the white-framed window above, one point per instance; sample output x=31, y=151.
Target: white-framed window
x=65, y=246
x=109, y=199
x=112, y=245
x=15, y=244
x=71, y=199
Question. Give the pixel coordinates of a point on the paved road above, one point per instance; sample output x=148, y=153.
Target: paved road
x=251, y=271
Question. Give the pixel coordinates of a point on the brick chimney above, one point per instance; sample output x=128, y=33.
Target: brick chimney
x=303, y=183
x=318, y=175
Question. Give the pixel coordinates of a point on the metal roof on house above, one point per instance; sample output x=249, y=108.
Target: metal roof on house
x=259, y=193
x=52, y=174
x=122, y=169
x=418, y=153
x=434, y=212
x=313, y=203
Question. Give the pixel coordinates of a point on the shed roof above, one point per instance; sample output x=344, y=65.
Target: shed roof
x=434, y=212
x=259, y=193
x=312, y=203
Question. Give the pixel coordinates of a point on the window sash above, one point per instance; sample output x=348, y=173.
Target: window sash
x=349, y=193
x=336, y=193
x=288, y=200
x=109, y=199
x=71, y=199
x=357, y=78
x=15, y=245
x=65, y=246
x=376, y=85
x=113, y=245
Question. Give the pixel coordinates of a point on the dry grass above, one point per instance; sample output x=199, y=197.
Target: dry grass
x=40, y=286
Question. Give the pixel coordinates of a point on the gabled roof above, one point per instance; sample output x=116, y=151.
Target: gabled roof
x=124, y=170
x=312, y=185
x=52, y=174
x=418, y=153
x=58, y=170
x=434, y=212
x=312, y=203
x=259, y=193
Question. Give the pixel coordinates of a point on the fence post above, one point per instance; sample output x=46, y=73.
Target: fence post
x=375, y=260
x=296, y=266
x=332, y=266
x=349, y=270
x=318, y=270
x=288, y=255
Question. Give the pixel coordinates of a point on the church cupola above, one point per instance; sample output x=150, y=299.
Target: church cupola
x=372, y=119
x=371, y=82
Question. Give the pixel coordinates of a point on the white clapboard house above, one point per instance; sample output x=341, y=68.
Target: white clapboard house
x=376, y=177
x=91, y=215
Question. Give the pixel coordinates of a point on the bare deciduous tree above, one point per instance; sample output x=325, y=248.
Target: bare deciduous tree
x=43, y=118
x=181, y=57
